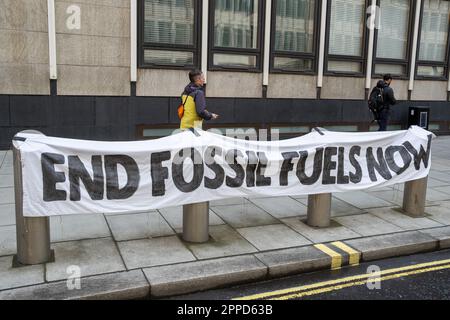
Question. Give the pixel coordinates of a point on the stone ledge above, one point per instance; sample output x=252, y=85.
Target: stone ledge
x=202, y=275
x=393, y=245
x=113, y=286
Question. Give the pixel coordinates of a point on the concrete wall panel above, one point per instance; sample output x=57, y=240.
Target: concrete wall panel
x=23, y=47
x=92, y=50
x=161, y=83
x=429, y=90
x=97, y=20
x=292, y=86
x=234, y=84
x=85, y=80
x=343, y=88
x=26, y=15
x=24, y=79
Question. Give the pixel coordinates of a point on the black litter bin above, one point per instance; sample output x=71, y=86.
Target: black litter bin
x=419, y=116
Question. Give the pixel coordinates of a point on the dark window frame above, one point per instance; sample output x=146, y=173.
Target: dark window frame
x=195, y=48
x=362, y=59
x=407, y=61
x=259, y=52
x=428, y=62
x=298, y=55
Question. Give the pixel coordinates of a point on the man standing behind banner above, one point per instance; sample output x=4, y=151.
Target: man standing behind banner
x=193, y=100
x=388, y=100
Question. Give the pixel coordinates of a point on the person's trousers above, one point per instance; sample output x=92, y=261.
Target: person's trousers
x=383, y=119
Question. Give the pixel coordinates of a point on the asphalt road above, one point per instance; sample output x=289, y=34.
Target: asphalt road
x=421, y=276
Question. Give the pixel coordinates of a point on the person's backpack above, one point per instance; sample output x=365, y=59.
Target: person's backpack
x=375, y=102
x=180, y=109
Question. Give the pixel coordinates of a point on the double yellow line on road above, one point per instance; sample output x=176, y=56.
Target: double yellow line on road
x=337, y=284
x=336, y=257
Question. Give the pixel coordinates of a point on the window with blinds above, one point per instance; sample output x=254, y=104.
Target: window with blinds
x=169, y=32
x=346, y=33
x=235, y=30
x=293, y=26
x=433, y=47
x=392, y=34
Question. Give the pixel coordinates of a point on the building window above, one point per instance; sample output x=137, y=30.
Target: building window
x=346, y=36
x=235, y=34
x=433, y=47
x=293, y=33
x=392, y=38
x=169, y=33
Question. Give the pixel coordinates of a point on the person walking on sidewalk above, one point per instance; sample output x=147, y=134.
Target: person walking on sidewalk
x=388, y=100
x=194, y=103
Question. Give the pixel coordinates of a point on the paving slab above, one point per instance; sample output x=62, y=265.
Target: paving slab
x=224, y=241
x=367, y=225
x=154, y=252
x=294, y=260
x=8, y=240
x=442, y=234
x=402, y=220
x=227, y=202
x=433, y=183
x=303, y=199
x=8, y=159
x=338, y=207
x=437, y=166
x=435, y=195
x=241, y=216
x=445, y=203
x=442, y=176
x=6, y=180
x=445, y=189
x=93, y=257
x=7, y=214
x=362, y=200
x=281, y=207
x=6, y=170
x=17, y=277
x=440, y=213
x=270, y=237
x=112, y=286
x=138, y=226
x=202, y=275
x=78, y=227
x=6, y=195
x=392, y=196
x=318, y=235
x=395, y=196
x=174, y=216
x=392, y=245
x=373, y=189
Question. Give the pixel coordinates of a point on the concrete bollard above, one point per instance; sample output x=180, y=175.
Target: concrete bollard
x=33, y=233
x=319, y=210
x=414, y=197
x=196, y=222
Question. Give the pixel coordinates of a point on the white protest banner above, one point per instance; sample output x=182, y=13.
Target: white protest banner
x=68, y=176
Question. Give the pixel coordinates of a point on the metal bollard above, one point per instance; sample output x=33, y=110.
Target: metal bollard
x=196, y=222
x=414, y=197
x=319, y=210
x=33, y=233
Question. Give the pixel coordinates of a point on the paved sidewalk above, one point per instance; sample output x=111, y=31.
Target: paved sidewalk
x=142, y=254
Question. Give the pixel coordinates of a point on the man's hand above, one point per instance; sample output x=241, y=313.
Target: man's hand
x=214, y=116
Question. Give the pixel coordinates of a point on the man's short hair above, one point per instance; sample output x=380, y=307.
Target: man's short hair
x=193, y=74
x=387, y=77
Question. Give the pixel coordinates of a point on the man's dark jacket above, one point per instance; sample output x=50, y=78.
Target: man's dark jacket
x=388, y=96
